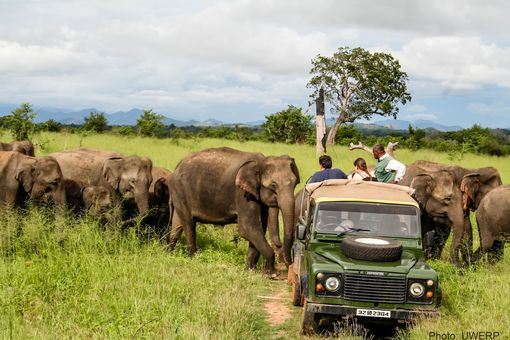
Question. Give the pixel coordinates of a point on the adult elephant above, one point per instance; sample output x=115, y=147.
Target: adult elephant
x=23, y=177
x=25, y=147
x=439, y=190
x=223, y=185
x=492, y=217
x=126, y=177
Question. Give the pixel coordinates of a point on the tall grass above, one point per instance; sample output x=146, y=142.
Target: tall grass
x=64, y=276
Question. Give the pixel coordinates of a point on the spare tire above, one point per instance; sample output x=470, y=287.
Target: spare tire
x=371, y=249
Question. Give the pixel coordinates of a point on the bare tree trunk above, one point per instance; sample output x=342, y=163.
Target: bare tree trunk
x=332, y=133
x=320, y=124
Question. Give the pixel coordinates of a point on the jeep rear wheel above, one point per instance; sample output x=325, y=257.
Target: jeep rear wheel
x=371, y=249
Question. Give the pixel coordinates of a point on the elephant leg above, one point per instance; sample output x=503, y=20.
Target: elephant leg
x=176, y=228
x=252, y=257
x=256, y=238
x=496, y=252
x=190, y=228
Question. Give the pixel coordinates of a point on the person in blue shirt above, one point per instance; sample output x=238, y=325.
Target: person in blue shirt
x=326, y=171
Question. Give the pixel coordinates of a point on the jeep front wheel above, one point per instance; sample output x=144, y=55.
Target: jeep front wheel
x=371, y=249
x=309, y=321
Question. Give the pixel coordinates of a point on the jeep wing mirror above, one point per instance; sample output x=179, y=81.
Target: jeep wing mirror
x=428, y=239
x=301, y=231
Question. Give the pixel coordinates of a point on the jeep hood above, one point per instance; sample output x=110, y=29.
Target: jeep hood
x=331, y=253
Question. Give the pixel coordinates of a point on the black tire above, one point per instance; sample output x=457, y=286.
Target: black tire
x=371, y=249
x=309, y=322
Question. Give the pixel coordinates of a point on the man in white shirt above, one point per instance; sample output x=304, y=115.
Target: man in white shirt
x=387, y=169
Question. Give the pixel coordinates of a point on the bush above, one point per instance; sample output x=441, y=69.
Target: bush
x=96, y=122
x=150, y=124
x=288, y=126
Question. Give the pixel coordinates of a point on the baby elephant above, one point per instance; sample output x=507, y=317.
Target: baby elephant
x=25, y=147
x=96, y=200
x=492, y=217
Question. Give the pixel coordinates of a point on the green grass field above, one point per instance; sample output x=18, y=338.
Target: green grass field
x=63, y=277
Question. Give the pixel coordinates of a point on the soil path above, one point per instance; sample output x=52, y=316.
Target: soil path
x=277, y=308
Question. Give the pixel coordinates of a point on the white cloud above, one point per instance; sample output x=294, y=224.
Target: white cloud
x=458, y=63
x=419, y=116
x=492, y=109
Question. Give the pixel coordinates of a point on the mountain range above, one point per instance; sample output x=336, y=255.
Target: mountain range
x=129, y=118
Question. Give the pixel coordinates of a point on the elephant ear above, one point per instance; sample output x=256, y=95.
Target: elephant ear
x=423, y=184
x=112, y=171
x=469, y=187
x=295, y=170
x=161, y=190
x=25, y=175
x=248, y=178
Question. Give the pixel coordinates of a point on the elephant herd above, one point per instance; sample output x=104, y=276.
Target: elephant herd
x=224, y=185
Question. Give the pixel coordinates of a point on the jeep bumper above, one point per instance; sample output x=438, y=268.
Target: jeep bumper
x=348, y=311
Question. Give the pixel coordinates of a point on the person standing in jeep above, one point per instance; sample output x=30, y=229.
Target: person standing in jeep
x=387, y=169
x=326, y=171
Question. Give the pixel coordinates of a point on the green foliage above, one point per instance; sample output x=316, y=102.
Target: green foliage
x=359, y=84
x=289, y=126
x=20, y=122
x=347, y=134
x=150, y=124
x=124, y=130
x=51, y=125
x=96, y=122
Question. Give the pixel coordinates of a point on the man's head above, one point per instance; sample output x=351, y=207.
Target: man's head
x=378, y=151
x=325, y=162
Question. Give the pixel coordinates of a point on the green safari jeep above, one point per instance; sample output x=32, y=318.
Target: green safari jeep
x=359, y=254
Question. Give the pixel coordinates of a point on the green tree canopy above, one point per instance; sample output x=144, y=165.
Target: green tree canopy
x=150, y=124
x=290, y=126
x=21, y=122
x=359, y=84
x=96, y=121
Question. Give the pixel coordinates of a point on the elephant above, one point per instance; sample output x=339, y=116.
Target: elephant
x=492, y=217
x=25, y=147
x=23, y=177
x=159, y=197
x=224, y=185
x=439, y=191
x=126, y=177
x=96, y=200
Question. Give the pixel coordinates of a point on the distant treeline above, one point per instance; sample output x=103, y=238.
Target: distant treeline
x=475, y=139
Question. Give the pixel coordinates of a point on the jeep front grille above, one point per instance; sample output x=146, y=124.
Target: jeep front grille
x=373, y=288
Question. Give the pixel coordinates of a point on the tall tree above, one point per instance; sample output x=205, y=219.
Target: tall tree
x=21, y=122
x=358, y=84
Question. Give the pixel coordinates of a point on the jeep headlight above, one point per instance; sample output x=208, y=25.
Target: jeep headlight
x=332, y=284
x=417, y=289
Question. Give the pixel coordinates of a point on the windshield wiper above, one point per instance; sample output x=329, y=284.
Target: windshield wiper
x=350, y=230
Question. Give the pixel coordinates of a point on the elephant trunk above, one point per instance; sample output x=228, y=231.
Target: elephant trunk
x=287, y=208
x=142, y=202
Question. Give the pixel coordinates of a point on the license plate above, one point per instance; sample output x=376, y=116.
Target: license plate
x=373, y=313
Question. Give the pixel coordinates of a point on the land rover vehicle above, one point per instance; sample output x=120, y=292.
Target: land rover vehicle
x=359, y=253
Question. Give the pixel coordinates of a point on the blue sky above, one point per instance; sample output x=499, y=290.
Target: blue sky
x=241, y=60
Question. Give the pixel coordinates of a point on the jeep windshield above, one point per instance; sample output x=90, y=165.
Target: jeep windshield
x=373, y=218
